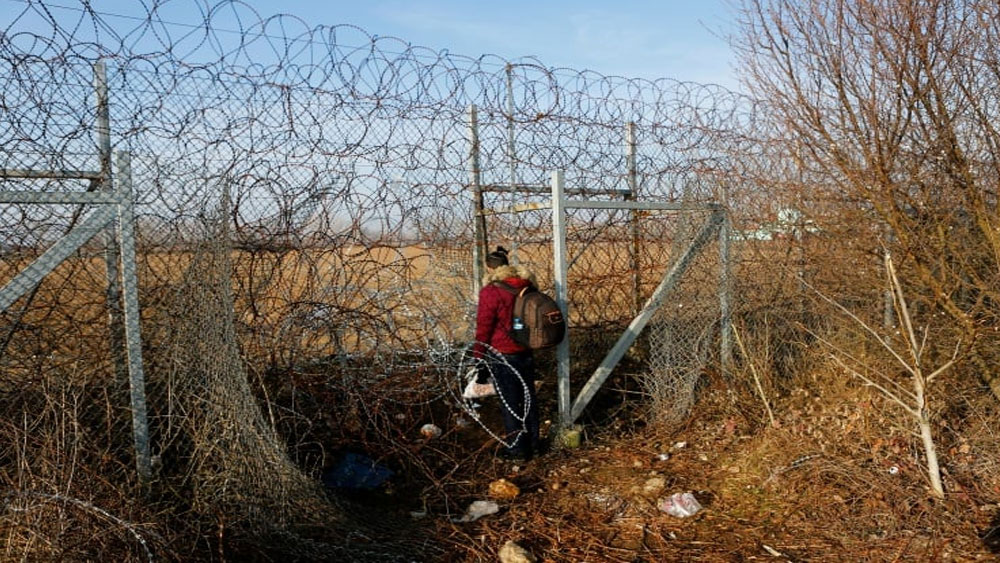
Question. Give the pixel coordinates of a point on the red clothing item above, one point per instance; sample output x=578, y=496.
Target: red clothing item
x=495, y=316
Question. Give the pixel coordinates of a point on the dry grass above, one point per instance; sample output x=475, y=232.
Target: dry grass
x=836, y=478
x=819, y=487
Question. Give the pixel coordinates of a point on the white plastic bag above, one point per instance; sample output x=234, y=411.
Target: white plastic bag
x=680, y=505
x=475, y=390
x=477, y=510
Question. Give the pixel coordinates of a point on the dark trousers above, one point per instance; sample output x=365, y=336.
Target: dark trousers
x=515, y=383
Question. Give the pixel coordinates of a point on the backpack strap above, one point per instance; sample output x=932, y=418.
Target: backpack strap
x=513, y=290
x=507, y=287
x=516, y=293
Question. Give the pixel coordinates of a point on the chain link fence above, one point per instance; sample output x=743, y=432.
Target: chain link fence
x=302, y=201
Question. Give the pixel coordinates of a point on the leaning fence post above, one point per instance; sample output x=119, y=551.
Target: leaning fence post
x=137, y=383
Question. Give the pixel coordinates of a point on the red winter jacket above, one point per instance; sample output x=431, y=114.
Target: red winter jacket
x=494, y=315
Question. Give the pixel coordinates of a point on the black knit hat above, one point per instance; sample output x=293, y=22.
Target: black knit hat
x=497, y=258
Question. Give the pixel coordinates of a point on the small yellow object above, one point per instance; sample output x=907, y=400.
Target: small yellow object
x=504, y=489
x=570, y=438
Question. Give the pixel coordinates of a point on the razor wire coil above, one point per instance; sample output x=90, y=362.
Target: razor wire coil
x=323, y=175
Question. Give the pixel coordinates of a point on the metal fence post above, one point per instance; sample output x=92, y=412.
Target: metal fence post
x=511, y=155
x=137, y=383
x=725, y=297
x=475, y=182
x=560, y=275
x=633, y=192
x=113, y=293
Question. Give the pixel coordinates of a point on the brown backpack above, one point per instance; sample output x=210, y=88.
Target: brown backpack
x=538, y=321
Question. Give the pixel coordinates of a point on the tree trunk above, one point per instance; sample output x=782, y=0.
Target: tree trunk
x=933, y=468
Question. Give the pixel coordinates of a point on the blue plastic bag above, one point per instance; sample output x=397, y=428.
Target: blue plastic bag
x=356, y=471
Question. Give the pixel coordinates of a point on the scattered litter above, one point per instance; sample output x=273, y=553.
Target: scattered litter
x=680, y=505
x=514, y=553
x=430, y=431
x=478, y=390
x=893, y=470
x=477, y=510
x=679, y=446
x=663, y=457
x=772, y=551
x=356, y=471
x=418, y=514
x=504, y=489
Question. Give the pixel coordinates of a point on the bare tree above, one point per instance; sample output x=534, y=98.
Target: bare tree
x=910, y=356
x=889, y=105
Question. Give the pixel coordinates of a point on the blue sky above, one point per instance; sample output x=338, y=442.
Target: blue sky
x=679, y=39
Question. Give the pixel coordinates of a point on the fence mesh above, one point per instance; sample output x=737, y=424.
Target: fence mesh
x=302, y=199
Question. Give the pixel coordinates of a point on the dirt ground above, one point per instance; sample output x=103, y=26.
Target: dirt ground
x=831, y=480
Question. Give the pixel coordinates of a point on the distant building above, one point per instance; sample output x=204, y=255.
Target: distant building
x=788, y=223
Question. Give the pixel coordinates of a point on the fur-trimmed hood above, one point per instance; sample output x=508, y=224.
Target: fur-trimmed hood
x=511, y=271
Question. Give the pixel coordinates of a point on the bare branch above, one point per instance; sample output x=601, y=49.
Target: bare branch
x=878, y=337
x=886, y=392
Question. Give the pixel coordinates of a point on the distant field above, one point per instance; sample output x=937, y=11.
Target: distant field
x=322, y=302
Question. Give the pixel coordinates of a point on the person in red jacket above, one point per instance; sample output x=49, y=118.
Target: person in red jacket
x=511, y=365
